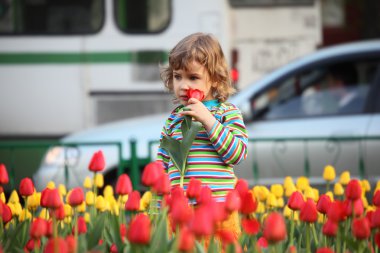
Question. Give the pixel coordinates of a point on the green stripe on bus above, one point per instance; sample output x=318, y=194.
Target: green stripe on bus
x=142, y=57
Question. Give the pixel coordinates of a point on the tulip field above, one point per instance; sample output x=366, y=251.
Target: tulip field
x=288, y=217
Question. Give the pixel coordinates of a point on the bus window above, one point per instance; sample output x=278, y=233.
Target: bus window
x=143, y=16
x=39, y=17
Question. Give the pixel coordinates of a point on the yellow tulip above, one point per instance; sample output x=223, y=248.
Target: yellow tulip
x=309, y=194
x=271, y=201
x=331, y=195
x=365, y=202
x=316, y=194
x=90, y=198
x=378, y=184
x=377, y=188
x=287, y=212
x=280, y=202
x=289, y=190
x=329, y=173
x=145, y=200
x=33, y=201
x=67, y=219
x=62, y=189
x=338, y=189
x=99, y=180
x=82, y=207
x=345, y=177
x=13, y=208
x=24, y=215
x=108, y=191
x=321, y=218
x=14, y=198
x=302, y=183
x=68, y=210
x=260, y=207
x=44, y=214
x=277, y=190
x=366, y=186
x=100, y=203
x=371, y=208
x=261, y=192
x=87, y=183
x=288, y=182
x=2, y=197
x=115, y=210
x=122, y=200
x=50, y=185
x=87, y=217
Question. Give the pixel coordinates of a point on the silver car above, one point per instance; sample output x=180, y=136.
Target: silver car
x=321, y=109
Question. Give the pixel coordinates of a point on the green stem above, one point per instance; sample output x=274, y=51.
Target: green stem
x=308, y=249
x=181, y=181
x=36, y=248
x=314, y=234
x=292, y=229
x=76, y=227
x=338, y=237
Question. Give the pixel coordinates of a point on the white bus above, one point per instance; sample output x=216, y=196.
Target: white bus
x=67, y=65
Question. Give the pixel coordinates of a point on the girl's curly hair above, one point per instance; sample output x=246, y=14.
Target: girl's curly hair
x=206, y=50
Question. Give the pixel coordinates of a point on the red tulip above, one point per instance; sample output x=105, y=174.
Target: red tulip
x=323, y=204
x=262, y=242
x=296, y=201
x=56, y=243
x=205, y=196
x=97, y=162
x=356, y=206
x=377, y=239
x=251, y=226
x=4, y=179
x=123, y=185
x=50, y=198
x=274, y=228
x=123, y=231
x=360, y=228
x=330, y=228
x=180, y=211
x=375, y=220
x=353, y=190
x=26, y=187
x=82, y=226
x=309, y=212
x=139, y=229
x=5, y=212
x=195, y=93
x=113, y=248
x=324, y=250
x=336, y=211
x=71, y=244
x=58, y=213
x=241, y=186
x=76, y=197
x=376, y=198
x=38, y=228
x=133, y=202
x=30, y=246
x=49, y=228
x=203, y=222
x=248, y=203
x=186, y=240
x=226, y=236
x=152, y=173
x=194, y=188
x=233, y=201
x=162, y=185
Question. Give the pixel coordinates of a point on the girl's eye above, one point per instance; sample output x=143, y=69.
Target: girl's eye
x=177, y=77
x=193, y=78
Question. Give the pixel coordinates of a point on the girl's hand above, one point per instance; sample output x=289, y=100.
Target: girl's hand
x=199, y=112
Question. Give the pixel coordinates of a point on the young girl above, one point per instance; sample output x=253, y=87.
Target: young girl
x=198, y=62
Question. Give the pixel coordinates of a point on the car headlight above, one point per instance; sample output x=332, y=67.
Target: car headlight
x=61, y=156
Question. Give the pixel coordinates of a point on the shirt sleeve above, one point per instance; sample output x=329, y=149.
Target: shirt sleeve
x=162, y=155
x=229, y=137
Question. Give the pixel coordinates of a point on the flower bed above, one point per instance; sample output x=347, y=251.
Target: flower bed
x=293, y=217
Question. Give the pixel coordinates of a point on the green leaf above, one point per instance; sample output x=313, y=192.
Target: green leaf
x=160, y=239
x=16, y=238
x=95, y=233
x=173, y=147
x=199, y=247
x=113, y=232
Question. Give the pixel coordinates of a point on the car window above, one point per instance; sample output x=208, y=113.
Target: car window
x=336, y=89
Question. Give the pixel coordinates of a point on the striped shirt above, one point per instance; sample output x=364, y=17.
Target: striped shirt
x=213, y=154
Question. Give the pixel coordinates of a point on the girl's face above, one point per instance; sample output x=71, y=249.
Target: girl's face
x=196, y=77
